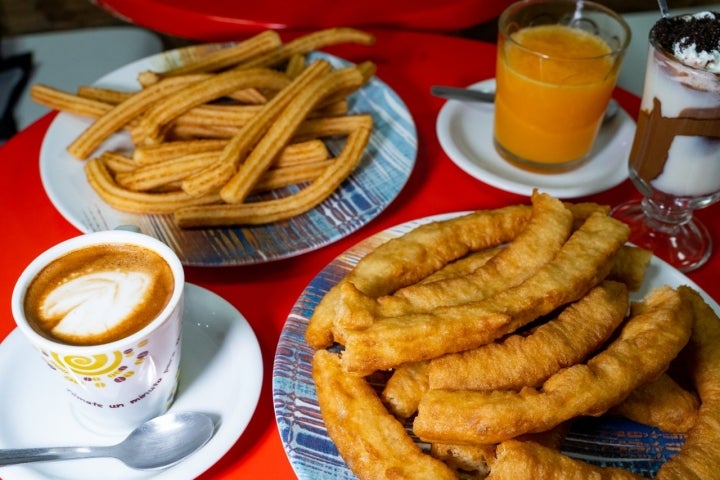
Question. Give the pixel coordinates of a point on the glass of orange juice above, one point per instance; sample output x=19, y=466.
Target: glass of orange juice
x=557, y=64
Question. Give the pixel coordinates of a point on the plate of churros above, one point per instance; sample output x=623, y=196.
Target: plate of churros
x=483, y=361
x=233, y=154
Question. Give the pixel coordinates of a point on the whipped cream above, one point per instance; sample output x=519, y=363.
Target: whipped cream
x=689, y=55
x=693, y=39
x=94, y=303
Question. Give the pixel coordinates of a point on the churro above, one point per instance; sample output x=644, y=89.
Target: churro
x=117, y=163
x=373, y=442
x=295, y=65
x=656, y=332
x=582, y=262
x=229, y=56
x=307, y=43
x=240, y=184
x=221, y=171
x=105, y=95
x=58, y=100
x=138, y=202
x=121, y=114
x=283, y=208
x=147, y=154
x=254, y=106
x=149, y=130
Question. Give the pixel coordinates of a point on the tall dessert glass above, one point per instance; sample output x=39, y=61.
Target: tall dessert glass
x=675, y=157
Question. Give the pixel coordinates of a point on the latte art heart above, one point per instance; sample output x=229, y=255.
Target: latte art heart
x=99, y=294
x=94, y=303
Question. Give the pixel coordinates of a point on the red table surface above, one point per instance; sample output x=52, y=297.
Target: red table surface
x=410, y=63
x=221, y=20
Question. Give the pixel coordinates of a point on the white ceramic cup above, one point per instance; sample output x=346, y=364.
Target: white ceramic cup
x=113, y=387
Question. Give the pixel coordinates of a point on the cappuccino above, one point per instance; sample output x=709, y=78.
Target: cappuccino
x=98, y=294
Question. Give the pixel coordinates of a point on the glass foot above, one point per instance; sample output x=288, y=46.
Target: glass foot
x=686, y=246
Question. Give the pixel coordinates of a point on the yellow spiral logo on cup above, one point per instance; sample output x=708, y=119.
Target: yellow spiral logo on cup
x=89, y=366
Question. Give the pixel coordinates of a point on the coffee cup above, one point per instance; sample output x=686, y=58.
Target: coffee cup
x=104, y=311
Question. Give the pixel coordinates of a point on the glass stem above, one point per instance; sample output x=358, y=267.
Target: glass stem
x=667, y=218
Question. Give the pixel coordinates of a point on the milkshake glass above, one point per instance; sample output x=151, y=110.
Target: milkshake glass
x=675, y=158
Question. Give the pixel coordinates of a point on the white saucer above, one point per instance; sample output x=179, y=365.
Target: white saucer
x=465, y=132
x=221, y=374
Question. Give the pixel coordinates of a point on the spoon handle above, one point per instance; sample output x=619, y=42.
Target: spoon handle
x=462, y=94
x=471, y=95
x=26, y=455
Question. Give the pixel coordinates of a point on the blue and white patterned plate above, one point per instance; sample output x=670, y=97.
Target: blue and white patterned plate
x=604, y=441
x=384, y=169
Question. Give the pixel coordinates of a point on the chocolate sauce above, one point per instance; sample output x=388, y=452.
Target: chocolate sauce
x=650, y=149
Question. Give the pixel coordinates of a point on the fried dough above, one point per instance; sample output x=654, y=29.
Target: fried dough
x=463, y=266
x=657, y=330
x=539, y=242
x=528, y=460
x=583, y=261
x=630, y=266
x=407, y=259
x=266, y=211
x=139, y=202
x=518, y=360
x=120, y=115
x=661, y=403
x=472, y=460
x=227, y=57
x=700, y=456
x=405, y=388
x=213, y=177
x=281, y=130
x=475, y=461
x=371, y=441
x=528, y=360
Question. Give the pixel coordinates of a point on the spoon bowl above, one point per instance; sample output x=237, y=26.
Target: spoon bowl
x=158, y=443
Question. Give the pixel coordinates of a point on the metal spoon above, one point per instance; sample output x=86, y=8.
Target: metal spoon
x=157, y=443
x=470, y=95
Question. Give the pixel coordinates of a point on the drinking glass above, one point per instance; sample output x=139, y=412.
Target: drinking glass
x=557, y=65
x=675, y=157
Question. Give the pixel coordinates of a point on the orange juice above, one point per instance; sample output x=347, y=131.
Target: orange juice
x=553, y=85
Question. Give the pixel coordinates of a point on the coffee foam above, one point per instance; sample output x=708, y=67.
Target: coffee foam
x=98, y=293
x=93, y=303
